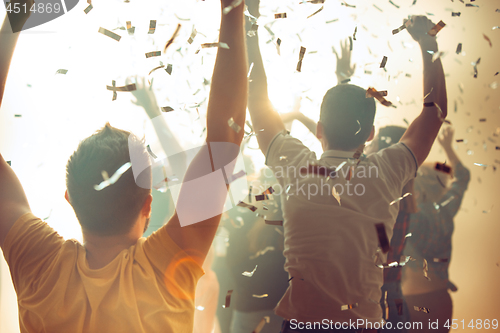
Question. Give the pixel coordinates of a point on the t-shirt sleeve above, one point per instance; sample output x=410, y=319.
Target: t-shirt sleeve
x=287, y=151
x=399, y=161
x=179, y=270
x=29, y=248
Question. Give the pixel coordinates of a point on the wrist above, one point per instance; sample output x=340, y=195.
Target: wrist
x=428, y=44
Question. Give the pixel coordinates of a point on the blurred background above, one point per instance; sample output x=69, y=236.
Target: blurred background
x=44, y=115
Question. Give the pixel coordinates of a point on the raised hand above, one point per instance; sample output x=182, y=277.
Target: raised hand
x=344, y=68
x=19, y=13
x=445, y=139
x=145, y=97
x=418, y=28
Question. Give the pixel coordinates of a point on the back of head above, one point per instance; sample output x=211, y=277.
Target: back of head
x=114, y=209
x=347, y=116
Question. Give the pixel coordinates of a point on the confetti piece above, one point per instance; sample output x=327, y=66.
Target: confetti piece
x=347, y=5
x=278, y=45
x=61, y=71
x=336, y=195
x=148, y=148
x=280, y=223
x=455, y=14
x=110, y=34
x=392, y=3
x=447, y=201
x=260, y=296
x=381, y=12
x=480, y=164
x=200, y=308
x=153, y=54
x=437, y=56
x=440, y=25
x=233, y=125
x=128, y=87
x=169, y=69
x=350, y=43
x=280, y=15
x=348, y=306
x=421, y=309
x=113, y=179
x=372, y=92
x=354, y=34
x=130, y=28
x=250, y=274
x=442, y=167
x=382, y=237
x=233, y=5
x=301, y=57
x=167, y=108
x=316, y=12
x=262, y=252
x=488, y=40
x=220, y=45
x=193, y=35
x=154, y=69
x=9, y=163
x=384, y=61
x=244, y=205
x=250, y=70
x=459, y=48
x=261, y=324
x=471, y=5
x=152, y=26
x=400, y=198
x=404, y=26
x=261, y=197
x=171, y=40
x=228, y=299
x=88, y=9
x=425, y=269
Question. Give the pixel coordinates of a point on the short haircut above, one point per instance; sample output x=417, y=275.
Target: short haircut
x=347, y=116
x=114, y=209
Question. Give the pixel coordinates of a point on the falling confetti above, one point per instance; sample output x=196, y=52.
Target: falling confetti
x=249, y=274
x=110, y=34
x=113, y=179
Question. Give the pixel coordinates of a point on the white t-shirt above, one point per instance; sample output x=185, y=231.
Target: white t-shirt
x=330, y=249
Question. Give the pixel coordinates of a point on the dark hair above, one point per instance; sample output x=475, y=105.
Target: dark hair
x=114, y=209
x=344, y=110
x=386, y=137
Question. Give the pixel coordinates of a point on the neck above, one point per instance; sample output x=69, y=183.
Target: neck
x=101, y=250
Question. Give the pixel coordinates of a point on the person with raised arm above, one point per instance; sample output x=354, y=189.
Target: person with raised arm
x=331, y=219
x=432, y=230
x=118, y=281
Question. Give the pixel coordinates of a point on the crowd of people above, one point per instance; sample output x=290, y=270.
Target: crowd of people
x=357, y=240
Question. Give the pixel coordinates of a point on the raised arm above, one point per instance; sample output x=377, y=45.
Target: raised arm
x=228, y=99
x=265, y=119
x=8, y=38
x=13, y=202
x=422, y=132
x=344, y=68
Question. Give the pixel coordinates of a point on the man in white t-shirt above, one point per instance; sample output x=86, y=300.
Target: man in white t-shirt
x=332, y=244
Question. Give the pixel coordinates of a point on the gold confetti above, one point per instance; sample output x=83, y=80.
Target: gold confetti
x=260, y=296
x=278, y=45
x=244, y=205
x=193, y=35
x=261, y=324
x=421, y=309
x=249, y=274
x=348, y=306
x=171, y=40
x=404, y=26
x=442, y=167
x=153, y=54
x=61, y=71
x=425, y=269
x=128, y=87
x=88, y=9
x=228, y=299
x=220, y=45
x=110, y=34
x=372, y=92
x=301, y=56
x=115, y=95
x=152, y=26
x=316, y=12
x=280, y=15
x=433, y=32
x=233, y=125
x=399, y=199
x=336, y=195
x=113, y=179
x=384, y=61
x=167, y=108
x=274, y=222
x=488, y=40
x=161, y=66
x=262, y=252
